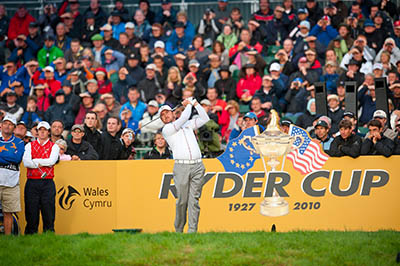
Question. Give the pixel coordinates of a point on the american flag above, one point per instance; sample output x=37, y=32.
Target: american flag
x=309, y=157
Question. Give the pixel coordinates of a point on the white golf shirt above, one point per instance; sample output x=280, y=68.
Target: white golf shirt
x=180, y=136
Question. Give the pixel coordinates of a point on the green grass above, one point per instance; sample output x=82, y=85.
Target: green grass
x=258, y=248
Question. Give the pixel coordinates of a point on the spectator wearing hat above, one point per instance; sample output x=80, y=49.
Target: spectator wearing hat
x=18, y=88
x=149, y=86
x=60, y=110
x=10, y=158
x=19, y=23
x=367, y=100
x=178, y=42
x=381, y=116
x=134, y=69
x=114, y=60
x=335, y=113
x=226, y=85
x=249, y=83
x=98, y=48
x=375, y=38
x=49, y=81
x=109, y=40
x=160, y=149
x=324, y=31
x=208, y=27
x=268, y=94
x=152, y=122
x=113, y=107
x=376, y=143
x=31, y=115
x=89, y=29
x=346, y=143
x=144, y=5
x=49, y=52
x=24, y=51
x=341, y=92
x=395, y=95
x=166, y=16
x=100, y=15
x=301, y=30
x=35, y=35
x=77, y=81
x=103, y=82
x=308, y=117
x=396, y=32
x=78, y=148
x=305, y=73
x=127, y=139
x=71, y=98
x=363, y=60
x=20, y=130
x=389, y=46
x=117, y=24
x=383, y=23
x=322, y=135
x=134, y=41
x=156, y=34
x=43, y=102
x=10, y=106
x=294, y=101
x=352, y=72
x=39, y=158
x=86, y=105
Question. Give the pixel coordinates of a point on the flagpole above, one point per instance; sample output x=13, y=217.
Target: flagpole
x=283, y=163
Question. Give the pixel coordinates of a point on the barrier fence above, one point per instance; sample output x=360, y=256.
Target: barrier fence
x=348, y=194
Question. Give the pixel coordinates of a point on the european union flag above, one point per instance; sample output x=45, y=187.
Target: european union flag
x=240, y=155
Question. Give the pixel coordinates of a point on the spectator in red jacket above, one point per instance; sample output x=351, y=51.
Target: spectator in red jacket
x=19, y=24
x=49, y=81
x=105, y=85
x=248, y=84
x=228, y=119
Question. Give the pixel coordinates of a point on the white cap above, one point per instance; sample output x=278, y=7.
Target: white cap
x=275, y=67
x=378, y=66
x=380, y=114
x=106, y=27
x=151, y=66
x=29, y=134
x=43, y=124
x=128, y=130
x=10, y=119
x=159, y=44
x=153, y=103
x=305, y=23
x=205, y=102
x=49, y=68
x=129, y=25
x=163, y=108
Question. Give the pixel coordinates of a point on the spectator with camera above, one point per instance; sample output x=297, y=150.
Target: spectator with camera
x=208, y=27
x=127, y=139
x=209, y=139
x=151, y=119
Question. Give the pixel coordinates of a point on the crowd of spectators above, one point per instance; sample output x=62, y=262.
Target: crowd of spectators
x=99, y=78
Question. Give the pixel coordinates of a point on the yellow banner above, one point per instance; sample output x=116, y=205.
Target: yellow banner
x=348, y=194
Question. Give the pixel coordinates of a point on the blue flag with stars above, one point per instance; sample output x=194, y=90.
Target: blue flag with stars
x=240, y=155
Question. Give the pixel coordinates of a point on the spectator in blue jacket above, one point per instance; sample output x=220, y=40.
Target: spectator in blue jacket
x=135, y=107
x=117, y=25
x=60, y=110
x=324, y=31
x=8, y=74
x=179, y=42
x=24, y=51
x=26, y=73
x=330, y=77
x=114, y=60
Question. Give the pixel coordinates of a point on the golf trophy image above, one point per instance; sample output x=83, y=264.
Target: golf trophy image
x=273, y=143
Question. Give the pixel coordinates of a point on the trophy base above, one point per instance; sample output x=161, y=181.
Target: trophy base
x=274, y=207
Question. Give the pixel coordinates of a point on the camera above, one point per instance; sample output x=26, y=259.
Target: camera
x=208, y=11
x=205, y=135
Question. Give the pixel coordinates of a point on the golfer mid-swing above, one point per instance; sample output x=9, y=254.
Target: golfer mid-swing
x=188, y=169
